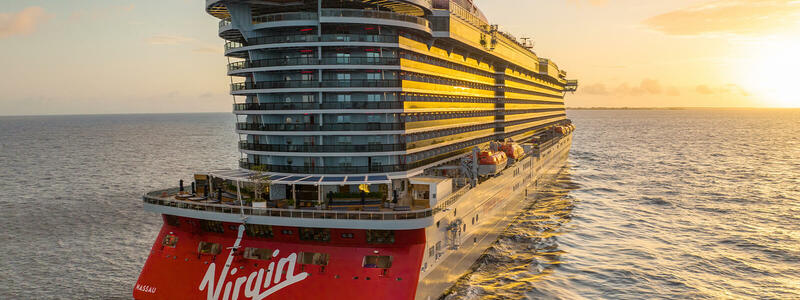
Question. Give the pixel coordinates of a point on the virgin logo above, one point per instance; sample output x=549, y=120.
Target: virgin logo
x=277, y=277
x=257, y=285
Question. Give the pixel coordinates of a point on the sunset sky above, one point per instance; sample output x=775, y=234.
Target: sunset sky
x=85, y=57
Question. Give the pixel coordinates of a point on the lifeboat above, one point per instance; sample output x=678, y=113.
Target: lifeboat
x=513, y=150
x=491, y=162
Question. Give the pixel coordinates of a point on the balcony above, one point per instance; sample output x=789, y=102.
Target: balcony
x=299, y=84
x=374, y=17
x=315, y=106
x=300, y=61
x=318, y=127
x=352, y=170
x=244, y=145
x=310, y=38
x=327, y=170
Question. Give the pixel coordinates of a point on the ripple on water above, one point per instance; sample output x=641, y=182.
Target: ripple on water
x=654, y=205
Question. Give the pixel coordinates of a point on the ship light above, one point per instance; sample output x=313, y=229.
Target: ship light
x=376, y=251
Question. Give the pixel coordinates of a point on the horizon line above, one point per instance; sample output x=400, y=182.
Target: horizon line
x=567, y=108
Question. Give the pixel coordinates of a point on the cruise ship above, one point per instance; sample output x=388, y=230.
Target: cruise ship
x=385, y=144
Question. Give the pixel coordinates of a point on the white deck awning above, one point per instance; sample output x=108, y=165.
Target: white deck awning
x=246, y=176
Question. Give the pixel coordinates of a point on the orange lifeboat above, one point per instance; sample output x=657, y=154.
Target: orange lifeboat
x=513, y=150
x=491, y=162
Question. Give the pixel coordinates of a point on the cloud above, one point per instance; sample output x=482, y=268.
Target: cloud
x=646, y=87
x=704, y=89
x=651, y=86
x=720, y=17
x=164, y=39
x=673, y=91
x=22, y=23
x=595, y=89
x=723, y=89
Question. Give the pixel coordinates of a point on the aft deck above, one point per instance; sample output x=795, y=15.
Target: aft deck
x=166, y=202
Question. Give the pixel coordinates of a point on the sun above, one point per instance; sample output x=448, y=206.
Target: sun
x=770, y=73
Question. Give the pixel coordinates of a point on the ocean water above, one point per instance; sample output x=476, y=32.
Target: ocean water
x=652, y=204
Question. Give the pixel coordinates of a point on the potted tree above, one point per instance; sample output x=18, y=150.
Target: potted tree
x=261, y=183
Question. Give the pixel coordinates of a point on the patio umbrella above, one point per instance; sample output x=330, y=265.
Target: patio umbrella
x=194, y=188
x=180, y=184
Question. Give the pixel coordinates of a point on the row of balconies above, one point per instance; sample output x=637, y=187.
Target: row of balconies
x=310, y=169
x=310, y=38
x=315, y=106
x=244, y=145
x=333, y=13
x=319, y=127
x=299, y=61
x=379, y=83
x=359, y=126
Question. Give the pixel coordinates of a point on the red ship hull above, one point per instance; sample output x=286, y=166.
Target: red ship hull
x=181, y=272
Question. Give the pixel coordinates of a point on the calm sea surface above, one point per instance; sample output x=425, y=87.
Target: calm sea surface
x=653, y=204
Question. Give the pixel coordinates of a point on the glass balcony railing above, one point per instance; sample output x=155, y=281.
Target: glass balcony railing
x=373, y=38
x=289, y=16
x=331, y=12
x=308, y=38
x=347, y=169
x=299, y=61
x=374, y=14
x=318, y=127
x=314, y=84
x=326, y=105
x=158, y=198
x=326, y=170
x=244, y=145
x=224, y=22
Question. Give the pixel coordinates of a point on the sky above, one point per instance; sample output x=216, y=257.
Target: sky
x=161, y=56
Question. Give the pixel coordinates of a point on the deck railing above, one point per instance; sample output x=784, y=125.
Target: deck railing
x=299, y=61
x=308, y=38
x=324, y=105
x=155, y=199
x=374, y=14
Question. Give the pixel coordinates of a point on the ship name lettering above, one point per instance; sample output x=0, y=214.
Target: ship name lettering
x=145, y=288
x=273, y=279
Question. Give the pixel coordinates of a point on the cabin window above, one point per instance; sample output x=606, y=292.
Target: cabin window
x=376, y=261
x=212, y=226
x=430, y=251
x=314, y=258
x=315, y=234
x=258, y=253
x=172, y=220
x=262, y=231
x=209, y=248
x=287, y=232
x=170, y=240
x=380, y=237
x=347, y=235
